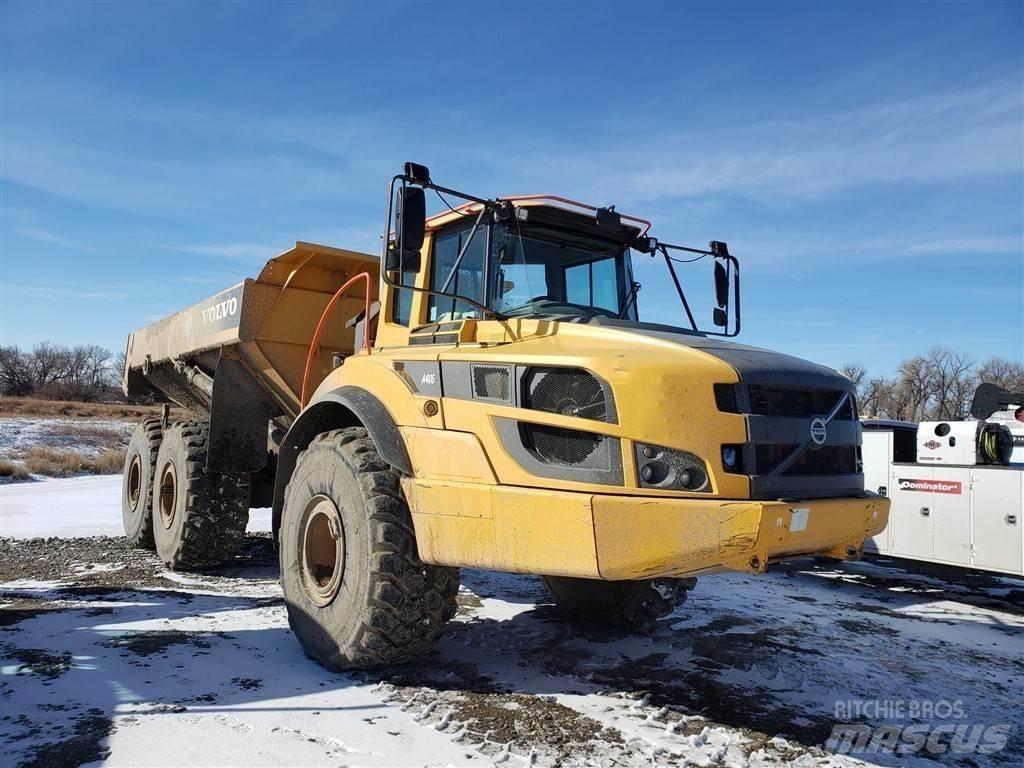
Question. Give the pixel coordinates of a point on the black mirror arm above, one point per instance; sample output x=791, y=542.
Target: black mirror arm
x=675, y=280
x=387, y=234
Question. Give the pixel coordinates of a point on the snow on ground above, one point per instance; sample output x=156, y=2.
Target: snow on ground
x=89, y=437
x=105, y=654
x=77, y=506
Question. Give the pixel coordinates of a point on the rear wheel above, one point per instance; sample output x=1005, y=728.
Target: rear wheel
x=618, y=603
x=199, y=517
x=357, y=593
x=137, y=483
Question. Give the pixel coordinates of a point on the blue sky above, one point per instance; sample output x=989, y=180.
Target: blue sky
x=865, y=161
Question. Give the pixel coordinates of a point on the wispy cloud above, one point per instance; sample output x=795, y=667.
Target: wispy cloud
x=248, y=252
x=71, y=292
x=259, y=161
x=979, y=244
x=54, y=238
x=939, y=137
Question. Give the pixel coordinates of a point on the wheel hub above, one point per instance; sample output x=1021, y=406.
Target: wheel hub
x=168, y=494
x=134, y=482
x=322, y=550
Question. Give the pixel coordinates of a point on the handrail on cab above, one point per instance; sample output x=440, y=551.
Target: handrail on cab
x=314, y=347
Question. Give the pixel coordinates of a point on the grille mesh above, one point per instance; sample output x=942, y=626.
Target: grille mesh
x=492, y=382
x=568, y=391
x=554, y=445
x=829, y=460
x=796, y=403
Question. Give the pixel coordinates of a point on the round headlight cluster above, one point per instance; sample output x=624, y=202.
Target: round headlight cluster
x=670, y=469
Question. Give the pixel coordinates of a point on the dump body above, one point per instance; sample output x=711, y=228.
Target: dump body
x=267, y=323
x=239, y=356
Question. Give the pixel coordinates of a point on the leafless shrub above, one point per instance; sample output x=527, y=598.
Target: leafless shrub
x=13, y=470
x=52, y=462
x=108, y=463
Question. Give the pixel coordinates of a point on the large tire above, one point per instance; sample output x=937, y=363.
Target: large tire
x=137, y=483
x=618, y=603
x=357, y=593
x=199, y=517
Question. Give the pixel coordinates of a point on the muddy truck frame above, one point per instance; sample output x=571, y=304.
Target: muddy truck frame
x=484, y=395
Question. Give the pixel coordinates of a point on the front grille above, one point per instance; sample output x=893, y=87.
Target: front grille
x=791, y=402
x=828, y=460
x=779, y=422
x=569, y=392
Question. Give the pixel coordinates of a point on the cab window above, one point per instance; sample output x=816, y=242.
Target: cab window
x=468, y=281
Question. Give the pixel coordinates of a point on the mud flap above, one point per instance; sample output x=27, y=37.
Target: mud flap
x=239, y=415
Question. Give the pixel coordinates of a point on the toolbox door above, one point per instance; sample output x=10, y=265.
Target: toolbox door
x=996, y=519
x=910, y=517
x=951, y=514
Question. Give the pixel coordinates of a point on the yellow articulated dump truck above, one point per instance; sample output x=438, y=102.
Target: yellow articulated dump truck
x=485, y=395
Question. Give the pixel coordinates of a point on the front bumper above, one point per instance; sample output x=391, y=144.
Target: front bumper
x=612, y=537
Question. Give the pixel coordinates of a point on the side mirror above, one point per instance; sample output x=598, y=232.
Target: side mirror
x=411, y=218
x=720, y=317
x=410, y=227
x=721, y=289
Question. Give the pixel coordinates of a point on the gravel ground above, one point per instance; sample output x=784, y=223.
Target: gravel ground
x=106, y=655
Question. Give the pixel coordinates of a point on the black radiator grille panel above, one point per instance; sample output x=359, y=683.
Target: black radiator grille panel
x=567, y=391
x=797, y=403
x=828, y=460
x=555, y=445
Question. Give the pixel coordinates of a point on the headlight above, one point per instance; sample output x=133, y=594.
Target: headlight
x=670, y=469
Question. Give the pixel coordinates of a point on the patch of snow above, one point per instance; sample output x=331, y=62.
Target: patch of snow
x=77, y=506
x=90, y=437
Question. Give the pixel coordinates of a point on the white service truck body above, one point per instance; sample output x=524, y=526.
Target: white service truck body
x=965, y=514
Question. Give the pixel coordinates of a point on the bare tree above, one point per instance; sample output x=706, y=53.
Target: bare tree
x=856, y=373
x=912, y=392
x=949, y=383
x=876, y=396
x=16, y=376
x=1008, y=374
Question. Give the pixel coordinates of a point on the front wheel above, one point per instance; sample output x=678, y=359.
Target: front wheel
x=357, y=593
x=618, y=603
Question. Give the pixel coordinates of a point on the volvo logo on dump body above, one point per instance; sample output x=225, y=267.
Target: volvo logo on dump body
x=819, y=431
x=220, y=312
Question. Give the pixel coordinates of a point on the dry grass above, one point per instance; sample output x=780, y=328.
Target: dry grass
x=108, y=463
x=109, y=439
x=53, y=462
x=29, y=406
x=13, y=470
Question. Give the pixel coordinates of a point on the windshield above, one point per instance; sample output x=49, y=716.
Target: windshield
x=533, y=271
